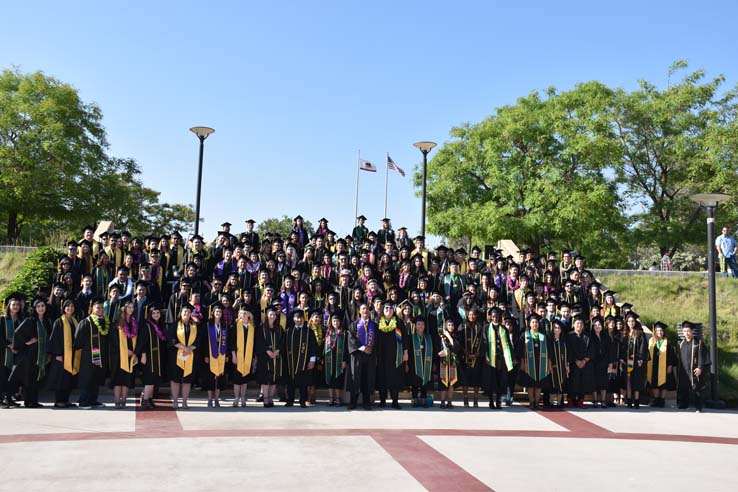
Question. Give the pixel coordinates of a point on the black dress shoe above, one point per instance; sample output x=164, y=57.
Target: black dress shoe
x=443, y=404
x=289, y=404
x=351, y=406
x=303, y=404
x=367, y=406
x=396, y=405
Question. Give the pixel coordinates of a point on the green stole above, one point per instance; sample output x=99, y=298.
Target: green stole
x=9, y=331
x=536, y=371
x=41, y=346
x=297, y=355
x=337, y=371
x=492, y=335
x=423, y=363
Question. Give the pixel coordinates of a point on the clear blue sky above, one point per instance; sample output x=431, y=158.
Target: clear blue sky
x=295, y=88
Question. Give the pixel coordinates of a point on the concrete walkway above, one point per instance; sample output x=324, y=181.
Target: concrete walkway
x=321, y=448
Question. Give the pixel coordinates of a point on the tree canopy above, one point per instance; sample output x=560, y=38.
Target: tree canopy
x=55, y=170
x=282, y=226
x=595, y=169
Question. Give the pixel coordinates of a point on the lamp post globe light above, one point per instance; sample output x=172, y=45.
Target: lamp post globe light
x=710, y=201
x=425, y=148
x=202, y=133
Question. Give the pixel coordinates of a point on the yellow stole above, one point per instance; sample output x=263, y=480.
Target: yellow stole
x=662, y=361
x=217, y=364
x=244, y=352
x=71, y=363
x=126, y=363
x=185, y=362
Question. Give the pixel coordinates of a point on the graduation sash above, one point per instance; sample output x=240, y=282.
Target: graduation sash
x=536, y=369
x=126, y=363
x=154, y=349
x=492, y=335
x=631, y=355
x=41, y=347
x=184, y=361
x=103, y=329
x=559, y=346
x=423, y=363
x=244, y=351
x=662, y=347
x=72, y=357
x=318, y=331
x=218, y=343
x=338, y=341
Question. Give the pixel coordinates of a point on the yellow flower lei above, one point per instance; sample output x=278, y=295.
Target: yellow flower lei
x=387, y=326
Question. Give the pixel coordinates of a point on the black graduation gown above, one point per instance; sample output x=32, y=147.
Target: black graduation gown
x=421, y=348
x=30, y=360
x=693, y=355
x=176, y=373
x=470, y=365
x=581, y=381
x=495, y=372
x=601, y=360
x=89, y=373
x=268, y=370
x=671, y=360
x=524, y=378
x=390, y=375
x=7, y=329
x=616, y=377
x=155, y=348
x=559, y=357
x=334, y=357
x=119, y=377
x=58, y=378
x=298, y=346
x=362, y=365
x=636, y=349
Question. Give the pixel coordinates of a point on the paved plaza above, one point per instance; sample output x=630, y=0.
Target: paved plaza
x=323, y=448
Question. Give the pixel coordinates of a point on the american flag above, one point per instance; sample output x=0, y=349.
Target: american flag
x=391, y=165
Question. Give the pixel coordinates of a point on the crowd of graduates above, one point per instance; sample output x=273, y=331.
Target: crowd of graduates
x=369, y=314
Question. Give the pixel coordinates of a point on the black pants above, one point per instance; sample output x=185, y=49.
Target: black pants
x=61, y=395
x=7, y=388
x=422, y=390
x=393, y=393
x=363, y=373
x=683, y=397
x=300, y=381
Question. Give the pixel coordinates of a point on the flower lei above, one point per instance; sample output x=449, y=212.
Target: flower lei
x=105, y=328
x=387, y=326
x=130, y=329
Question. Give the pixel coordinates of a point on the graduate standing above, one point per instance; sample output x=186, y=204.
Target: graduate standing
x=336, y=357
x=65, y=361
x=559, y=356
x=269, y=361
x=470, y=338
x=9, y=321
x=123, y=357
x=694, y=365
x=300, y=350
x=497, y=347
x=243, y=356
x=215, y=354
x=581, y=352
x=636, y=352
x=448, y=363
x=535, y=365
x=183, y=342
x=151, y=353
x=420, y=364
x=29, y=344
x=662, y=363
x=392, y=352
x=362, y=337
x=91, y=337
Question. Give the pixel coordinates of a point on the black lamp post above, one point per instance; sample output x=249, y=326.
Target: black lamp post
x=202, y=133
x=710, y=201
x=425, y=148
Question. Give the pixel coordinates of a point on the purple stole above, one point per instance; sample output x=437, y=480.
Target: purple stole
x=216, y=350
x=366, y=332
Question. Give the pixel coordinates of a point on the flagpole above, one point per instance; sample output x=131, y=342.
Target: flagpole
x=386, y=180
x=358, y=170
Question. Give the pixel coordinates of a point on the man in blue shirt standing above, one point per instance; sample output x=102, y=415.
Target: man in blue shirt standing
x=726, y=247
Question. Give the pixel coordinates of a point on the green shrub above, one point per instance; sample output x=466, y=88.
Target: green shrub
x=37, y=272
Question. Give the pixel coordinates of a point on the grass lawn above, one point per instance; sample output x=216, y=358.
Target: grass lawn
x=675, y=299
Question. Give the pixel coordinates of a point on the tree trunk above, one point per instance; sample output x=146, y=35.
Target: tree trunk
x=12, y=226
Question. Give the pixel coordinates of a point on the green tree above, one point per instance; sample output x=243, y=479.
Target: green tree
x=670, y=144
x=282, y=226
x=54, y=168
x=532, y=172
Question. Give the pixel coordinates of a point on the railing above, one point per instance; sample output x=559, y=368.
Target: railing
x=655, y=273
x=17, y=249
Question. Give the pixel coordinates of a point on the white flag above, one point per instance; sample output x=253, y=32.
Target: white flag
x=365, y=165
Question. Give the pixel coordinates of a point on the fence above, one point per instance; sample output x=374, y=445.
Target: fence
x=656, y=273
x=17, y=249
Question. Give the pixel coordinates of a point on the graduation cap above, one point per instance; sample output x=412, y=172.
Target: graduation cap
x=188, y=306
x=557, y=322
x=154, y=306
x=226, y=224
x=223, y=233
x=338, y=314
x=461, y=251
x=579, y=257
x=176, y=235
x=441, y=248
x=631, y=314
x=272, y=308
x=403, y=228
x=299, y=217
x=493, y=310
x=323, y=219
x=88, y=228
x=419, y=237
x=72, y=244
x=104, y=235
x=687, y=324
x=298, y=313
x=609, y=317
x=250, y=221
x=216, y=305
x=627, y=305
x=114, y=235
x=453, y=263
x=361, y=217
x=609, y=292
x=98, y=300
x=385, y=219
x=196, y=237
x=660, y=324
x=577, y=317
x=166, y=237
x=125, y=234
x=317, y=311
